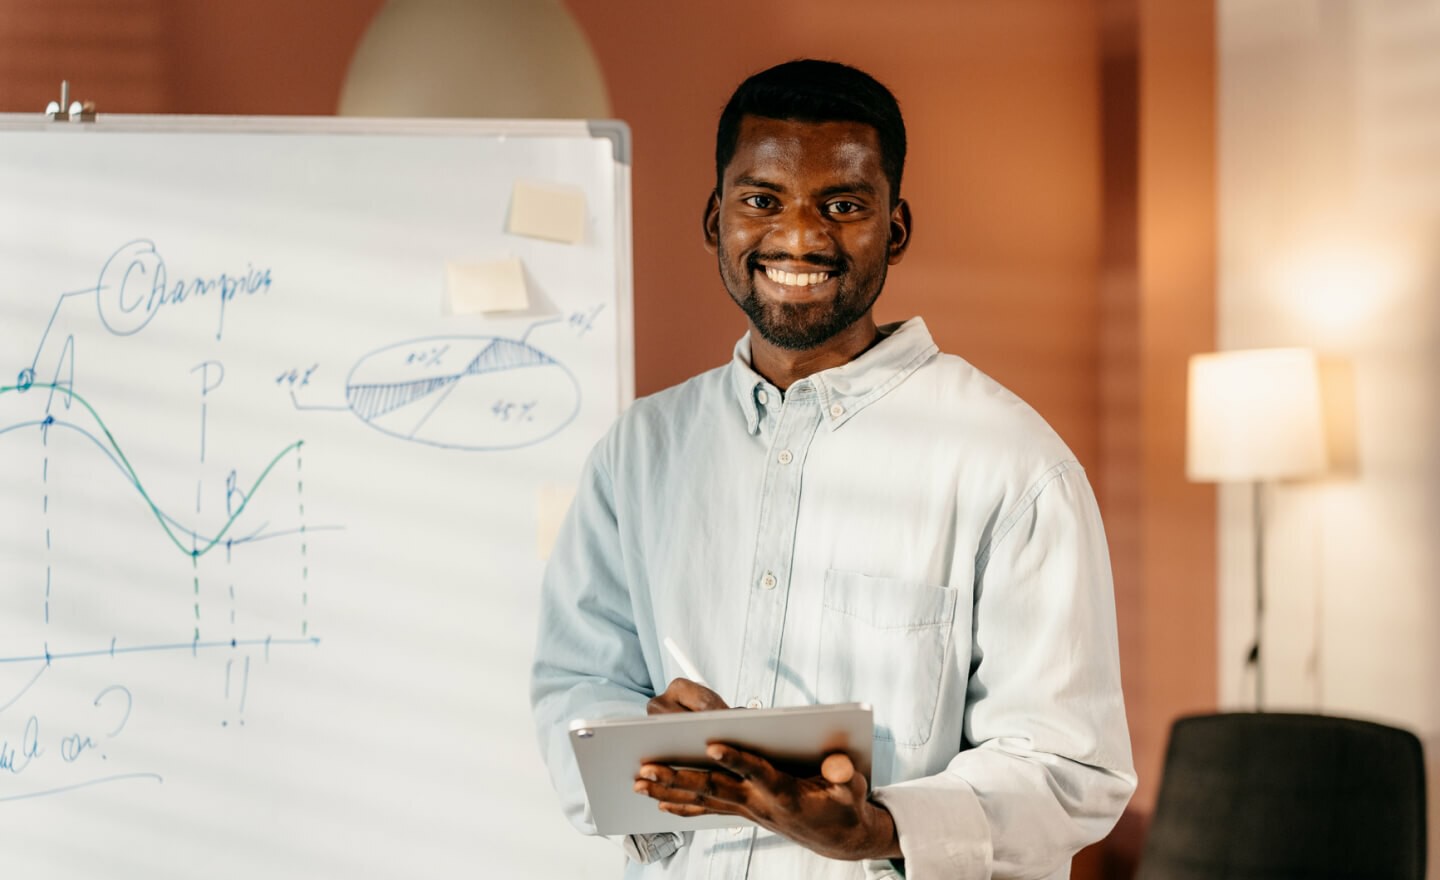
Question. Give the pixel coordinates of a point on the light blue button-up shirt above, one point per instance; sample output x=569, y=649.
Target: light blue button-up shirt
x=900, y=531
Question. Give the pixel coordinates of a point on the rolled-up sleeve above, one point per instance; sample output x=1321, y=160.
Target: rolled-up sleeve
x=1047, y=767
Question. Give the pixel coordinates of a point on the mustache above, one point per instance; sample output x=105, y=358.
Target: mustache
x=826, y=263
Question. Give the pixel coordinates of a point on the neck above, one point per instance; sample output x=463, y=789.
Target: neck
x=783, y=367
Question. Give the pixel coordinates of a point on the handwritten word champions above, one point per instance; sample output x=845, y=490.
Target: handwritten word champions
x=134, y=283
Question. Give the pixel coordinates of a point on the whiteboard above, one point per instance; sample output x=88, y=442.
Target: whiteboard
x=270, y=518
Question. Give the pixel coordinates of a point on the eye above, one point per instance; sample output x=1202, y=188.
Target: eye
x=760, y=201
x=842, y=206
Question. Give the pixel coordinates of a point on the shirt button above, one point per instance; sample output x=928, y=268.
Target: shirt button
x=762, y=397
x=785, y=457
x=836, y=410
x=768, y=581
x=754, y=703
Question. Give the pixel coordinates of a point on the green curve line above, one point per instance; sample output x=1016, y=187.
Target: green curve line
x=135, y=478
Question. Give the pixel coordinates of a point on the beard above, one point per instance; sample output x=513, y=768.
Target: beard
x=802, y=326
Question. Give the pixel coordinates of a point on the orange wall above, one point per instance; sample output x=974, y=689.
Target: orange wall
x=259, y=57
x=1158, y=307
x=1177, y=267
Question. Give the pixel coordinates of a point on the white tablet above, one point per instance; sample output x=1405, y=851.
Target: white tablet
x=796, y=738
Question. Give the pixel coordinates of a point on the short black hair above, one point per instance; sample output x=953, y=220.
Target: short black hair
x=807, y=90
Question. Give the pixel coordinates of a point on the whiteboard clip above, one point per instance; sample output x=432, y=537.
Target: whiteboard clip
x=67, y=110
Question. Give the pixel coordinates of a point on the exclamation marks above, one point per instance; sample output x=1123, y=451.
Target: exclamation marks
x=304, y=540
x=243, y=687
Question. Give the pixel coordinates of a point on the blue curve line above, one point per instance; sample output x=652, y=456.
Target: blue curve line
x=120, y=777
x=194, y=534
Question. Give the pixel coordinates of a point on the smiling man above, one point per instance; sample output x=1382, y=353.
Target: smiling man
x=841, y=513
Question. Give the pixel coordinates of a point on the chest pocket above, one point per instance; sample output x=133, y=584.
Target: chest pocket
x=883, y=642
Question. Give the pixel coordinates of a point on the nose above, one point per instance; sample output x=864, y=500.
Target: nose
x=801, y=229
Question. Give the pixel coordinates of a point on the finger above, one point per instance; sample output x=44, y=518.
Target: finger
x=663, y=704
x=746, y=765
x=684, y=695
x=694, y=696
x=837, y=769
x=698, y=801
x=682, y=809
x=685, y=785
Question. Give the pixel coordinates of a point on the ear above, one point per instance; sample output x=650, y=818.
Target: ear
x=900, y=226
x=710, y=222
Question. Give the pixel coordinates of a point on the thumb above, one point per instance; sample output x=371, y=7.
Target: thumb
x=845, y=782
x=837, y=768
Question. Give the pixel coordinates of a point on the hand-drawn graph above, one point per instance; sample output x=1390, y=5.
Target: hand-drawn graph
x=38, y=410
x=477, y=393
x=74, y=637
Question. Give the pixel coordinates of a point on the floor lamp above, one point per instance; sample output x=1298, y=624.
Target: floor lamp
x=1255, y=417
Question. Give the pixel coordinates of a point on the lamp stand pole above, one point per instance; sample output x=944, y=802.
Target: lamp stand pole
x=1258, y=516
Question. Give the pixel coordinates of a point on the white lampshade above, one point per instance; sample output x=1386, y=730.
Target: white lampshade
x=1254, y=415
x=508, y=59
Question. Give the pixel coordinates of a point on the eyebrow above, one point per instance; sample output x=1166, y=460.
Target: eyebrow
x=759, y=183
x=859, y=187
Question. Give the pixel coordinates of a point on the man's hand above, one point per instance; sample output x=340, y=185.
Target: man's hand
x=829, y=814
x=684, y=695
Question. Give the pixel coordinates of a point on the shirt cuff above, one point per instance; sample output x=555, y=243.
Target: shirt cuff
x=648, y=848
x=942, y=828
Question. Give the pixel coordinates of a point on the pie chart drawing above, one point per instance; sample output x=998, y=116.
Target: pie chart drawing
x=477, y=393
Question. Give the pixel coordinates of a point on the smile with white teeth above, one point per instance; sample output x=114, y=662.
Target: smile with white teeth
x=796, y=279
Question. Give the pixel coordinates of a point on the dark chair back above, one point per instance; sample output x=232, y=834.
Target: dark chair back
x=1274, y=796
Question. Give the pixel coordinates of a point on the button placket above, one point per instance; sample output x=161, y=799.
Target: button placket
x=796, y=422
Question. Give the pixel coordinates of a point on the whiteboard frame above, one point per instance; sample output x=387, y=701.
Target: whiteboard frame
x=616, y=131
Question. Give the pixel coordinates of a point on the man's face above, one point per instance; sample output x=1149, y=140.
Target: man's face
x=803, y=228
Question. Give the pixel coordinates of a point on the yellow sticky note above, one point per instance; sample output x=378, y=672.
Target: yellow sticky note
x=552, y=211
x=552, y=505
x=474, y=288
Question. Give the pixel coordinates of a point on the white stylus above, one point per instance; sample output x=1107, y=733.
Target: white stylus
x=686, y=666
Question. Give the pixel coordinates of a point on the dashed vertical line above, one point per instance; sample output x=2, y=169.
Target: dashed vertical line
x=195, y=564
x=304, y=540
x=45, y=518
x=195, y=582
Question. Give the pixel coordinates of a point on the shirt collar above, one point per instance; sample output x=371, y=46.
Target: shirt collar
x=846, y=389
